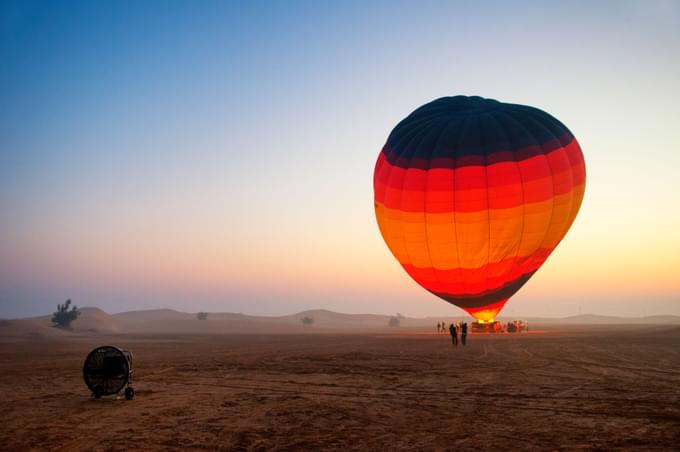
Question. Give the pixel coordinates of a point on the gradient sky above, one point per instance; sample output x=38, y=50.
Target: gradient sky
x=219, y=156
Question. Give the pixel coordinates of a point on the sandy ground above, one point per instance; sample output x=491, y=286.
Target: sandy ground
x=579, y=388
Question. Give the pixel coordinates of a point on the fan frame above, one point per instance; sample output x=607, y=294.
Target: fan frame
x=110, y=351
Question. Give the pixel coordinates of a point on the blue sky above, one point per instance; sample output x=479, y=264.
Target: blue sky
x=219, y=156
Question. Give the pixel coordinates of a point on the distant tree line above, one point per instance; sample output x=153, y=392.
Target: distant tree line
x=202, y=316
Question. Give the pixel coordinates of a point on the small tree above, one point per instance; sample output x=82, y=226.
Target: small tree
x=202, y=316
x=394, y=321
x=307, y=320
x=63, y=317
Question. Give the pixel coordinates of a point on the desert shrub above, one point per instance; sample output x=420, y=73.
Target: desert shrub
x=202, y=316
x=63, y=317
x=394, y=321
x=307, y=320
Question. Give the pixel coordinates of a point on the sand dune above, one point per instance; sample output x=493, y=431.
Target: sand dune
x=591, y=319
x=93, y=321
x=90, y=321
x=168, y=321
x=329, y=319
x=158, y=315
x=31, y=329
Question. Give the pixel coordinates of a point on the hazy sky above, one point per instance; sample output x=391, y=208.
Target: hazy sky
x=219, y=156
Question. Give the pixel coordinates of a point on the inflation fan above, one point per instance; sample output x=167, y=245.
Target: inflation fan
x=107, y=371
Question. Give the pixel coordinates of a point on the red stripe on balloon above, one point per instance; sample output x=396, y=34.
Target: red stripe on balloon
x=471, y=189
x=462, y=281
x=480, y=176
x=473, y=201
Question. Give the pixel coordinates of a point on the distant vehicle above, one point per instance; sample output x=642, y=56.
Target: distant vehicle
x=107, y=371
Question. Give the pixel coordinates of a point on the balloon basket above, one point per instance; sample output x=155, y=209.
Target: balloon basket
x=496, y=327
x=486, y=327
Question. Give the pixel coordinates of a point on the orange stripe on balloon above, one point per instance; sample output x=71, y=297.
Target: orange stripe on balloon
x=440, y=239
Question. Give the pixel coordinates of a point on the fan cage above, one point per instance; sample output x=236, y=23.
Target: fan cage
x=107, y=370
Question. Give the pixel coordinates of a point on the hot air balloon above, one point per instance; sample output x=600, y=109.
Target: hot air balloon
x=472, y=195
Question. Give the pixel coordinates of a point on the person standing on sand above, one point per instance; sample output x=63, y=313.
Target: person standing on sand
x=463, y=333
x=439, y=327
x=454, y=334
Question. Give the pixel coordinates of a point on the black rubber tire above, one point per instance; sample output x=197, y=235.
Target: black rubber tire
x=129, y=393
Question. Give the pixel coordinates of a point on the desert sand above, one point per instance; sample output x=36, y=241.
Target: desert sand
x=559, y=387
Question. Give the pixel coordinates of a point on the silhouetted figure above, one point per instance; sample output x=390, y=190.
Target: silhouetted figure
x=463, y=333
x=439, y=327
x=443, y=326
x=454, y=334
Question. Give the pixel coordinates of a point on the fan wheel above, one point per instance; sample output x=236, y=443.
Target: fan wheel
x=129, y=393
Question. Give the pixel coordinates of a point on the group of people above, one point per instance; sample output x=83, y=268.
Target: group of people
x=454, y=329
x=516, y=326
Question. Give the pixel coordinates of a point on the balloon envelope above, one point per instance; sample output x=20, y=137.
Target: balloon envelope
x=472, y=195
